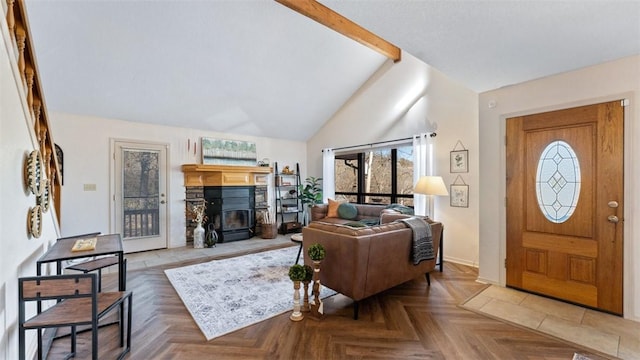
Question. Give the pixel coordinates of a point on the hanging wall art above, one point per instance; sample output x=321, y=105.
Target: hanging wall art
x=228, y=152
x=459, y=159
x=459, y=193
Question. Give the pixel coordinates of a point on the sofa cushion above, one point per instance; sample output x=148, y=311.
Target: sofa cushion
x=332, y=210
x=347, y=211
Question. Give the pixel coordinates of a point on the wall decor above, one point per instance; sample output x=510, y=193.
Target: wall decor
x=459, y=193
x=60, y=157
x=44, y=199
x=459, y=159
x=33, y=172
x=228, y=152
x=34, y=221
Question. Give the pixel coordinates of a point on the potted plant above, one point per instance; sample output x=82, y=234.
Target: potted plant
x=198, y=214
x=310, y=194
x=316, y=252
x=311, y=191
x=297, y=273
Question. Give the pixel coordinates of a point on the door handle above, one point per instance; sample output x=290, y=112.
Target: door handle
x=613, y=219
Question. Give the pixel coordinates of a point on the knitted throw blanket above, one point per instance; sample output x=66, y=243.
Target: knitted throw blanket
x=422, y=248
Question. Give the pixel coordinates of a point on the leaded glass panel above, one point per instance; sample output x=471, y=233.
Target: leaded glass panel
x=558, y=181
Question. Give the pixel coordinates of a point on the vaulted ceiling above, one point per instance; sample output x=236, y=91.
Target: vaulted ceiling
x=255, y=67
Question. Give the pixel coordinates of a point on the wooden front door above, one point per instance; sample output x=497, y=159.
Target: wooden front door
x=565, y=204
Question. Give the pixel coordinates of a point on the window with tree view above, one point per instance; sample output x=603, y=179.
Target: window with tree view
x=379, y=176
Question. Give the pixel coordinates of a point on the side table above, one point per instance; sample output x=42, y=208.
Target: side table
x=297, y=238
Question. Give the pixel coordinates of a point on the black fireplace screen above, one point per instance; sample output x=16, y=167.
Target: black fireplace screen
x=232, y=211
x=234, y=220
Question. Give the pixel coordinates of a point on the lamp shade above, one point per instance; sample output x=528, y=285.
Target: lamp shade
x=431, y=185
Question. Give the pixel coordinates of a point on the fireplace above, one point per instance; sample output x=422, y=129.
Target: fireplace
x=232, y=194
x=231, y=210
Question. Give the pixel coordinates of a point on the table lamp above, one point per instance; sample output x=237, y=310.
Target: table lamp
x=432, y=186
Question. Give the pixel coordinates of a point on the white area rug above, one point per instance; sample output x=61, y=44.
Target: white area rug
x=229, y=294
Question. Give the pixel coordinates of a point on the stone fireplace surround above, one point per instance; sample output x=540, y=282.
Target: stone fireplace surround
x=214, y=183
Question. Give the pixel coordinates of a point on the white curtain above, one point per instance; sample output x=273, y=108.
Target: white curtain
x=328, y=175
x=422, y=166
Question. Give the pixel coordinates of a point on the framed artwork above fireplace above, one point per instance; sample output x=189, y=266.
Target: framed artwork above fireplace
x=228, y=152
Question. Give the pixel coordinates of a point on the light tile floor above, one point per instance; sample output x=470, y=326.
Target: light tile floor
x=608, y=334
x=166, y=256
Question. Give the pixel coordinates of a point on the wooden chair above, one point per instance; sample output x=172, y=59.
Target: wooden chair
x=78, y=303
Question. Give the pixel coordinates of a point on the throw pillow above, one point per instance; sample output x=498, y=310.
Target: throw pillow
x=347, y=211
x=332, y=210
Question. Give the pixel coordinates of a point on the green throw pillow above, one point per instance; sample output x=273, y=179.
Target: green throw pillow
x=355, y=224
x=347, y=211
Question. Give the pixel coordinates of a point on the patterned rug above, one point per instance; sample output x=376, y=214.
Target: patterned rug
x=229, y=294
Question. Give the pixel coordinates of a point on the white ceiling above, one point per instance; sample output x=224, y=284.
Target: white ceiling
x=255, y=67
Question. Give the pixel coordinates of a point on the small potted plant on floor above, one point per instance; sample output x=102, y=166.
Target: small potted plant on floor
x=297, y=273
x=310, y=195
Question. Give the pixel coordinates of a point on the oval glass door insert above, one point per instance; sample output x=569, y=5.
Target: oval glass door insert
x=558, y=181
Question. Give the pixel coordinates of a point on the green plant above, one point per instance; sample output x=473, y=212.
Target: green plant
x=316, y=252
x=297, y=272
x=311, y=191
x=308, y=273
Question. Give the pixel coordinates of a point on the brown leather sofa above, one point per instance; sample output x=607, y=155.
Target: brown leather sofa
x=365, y=212
x=361, y=262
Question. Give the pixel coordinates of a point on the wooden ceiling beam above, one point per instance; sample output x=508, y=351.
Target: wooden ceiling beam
x=331, y=19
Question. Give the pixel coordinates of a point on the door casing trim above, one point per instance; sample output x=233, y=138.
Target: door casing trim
x=112, y=182
x=627, y=178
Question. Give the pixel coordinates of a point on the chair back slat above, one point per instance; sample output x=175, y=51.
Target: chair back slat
x=58, y=287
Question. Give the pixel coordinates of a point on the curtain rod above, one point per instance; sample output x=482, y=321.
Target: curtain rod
x=378, y=143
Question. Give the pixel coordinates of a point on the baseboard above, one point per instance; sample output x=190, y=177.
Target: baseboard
x=487, y=281
x=461, y=262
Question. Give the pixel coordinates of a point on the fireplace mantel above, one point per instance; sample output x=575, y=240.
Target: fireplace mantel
x=223, y=175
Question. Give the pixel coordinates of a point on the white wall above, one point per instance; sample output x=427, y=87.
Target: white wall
x=19, y=251
x=608, y=81
x=409, y=98
x=86, y=144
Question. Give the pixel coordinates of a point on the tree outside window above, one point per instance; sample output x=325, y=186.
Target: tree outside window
x=379, y=176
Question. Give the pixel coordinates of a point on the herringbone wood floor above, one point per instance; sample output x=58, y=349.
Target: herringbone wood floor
x=411, y=321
